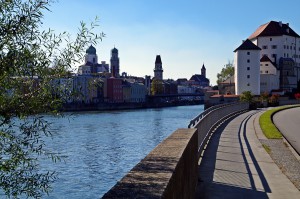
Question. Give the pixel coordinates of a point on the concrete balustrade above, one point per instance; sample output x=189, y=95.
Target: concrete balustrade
x=170, y=170
x=211, y=120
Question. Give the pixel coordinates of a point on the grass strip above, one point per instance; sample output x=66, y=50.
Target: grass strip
x=267, y=125
x=267, y=148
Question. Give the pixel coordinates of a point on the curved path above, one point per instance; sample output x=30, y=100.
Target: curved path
x=236, y=165
x=288, y=123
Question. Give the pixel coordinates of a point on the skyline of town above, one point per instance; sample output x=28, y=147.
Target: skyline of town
x=178, y=31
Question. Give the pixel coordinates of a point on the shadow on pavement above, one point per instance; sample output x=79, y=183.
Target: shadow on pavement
x=224, y=171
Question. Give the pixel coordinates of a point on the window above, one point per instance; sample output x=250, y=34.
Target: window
x=291, y=47
x=248, y=53
x=287, y=55
x=266, y=64
x=248, y=60
x=265, y=47
x=261, y=71
x=248, y=76
x=270, y=39
x=274, y=46
x=267, y=71
x=248, y=68
x=248, y=84
x=285, y=47
x=283, y=54
x=274, y=55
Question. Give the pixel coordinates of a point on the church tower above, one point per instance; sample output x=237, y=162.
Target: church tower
x=91, y=56
x=158, y=71
x=114, y=63
x=203, y=71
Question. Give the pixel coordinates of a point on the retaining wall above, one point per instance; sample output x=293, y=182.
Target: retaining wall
x=169, y=171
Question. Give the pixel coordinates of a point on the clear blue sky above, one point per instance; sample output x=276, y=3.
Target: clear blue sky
x=186, y=33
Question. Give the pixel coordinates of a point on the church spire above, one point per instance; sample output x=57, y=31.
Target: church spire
x=203, y=70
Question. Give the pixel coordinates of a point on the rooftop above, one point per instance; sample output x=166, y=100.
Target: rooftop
x=247, y=45
x=273, y=28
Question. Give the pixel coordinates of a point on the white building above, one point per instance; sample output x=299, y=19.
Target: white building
x=247, y=68
x=281, y=44
x=279, y=59
x=269, y=75
x=85, y=89
x=91, y=65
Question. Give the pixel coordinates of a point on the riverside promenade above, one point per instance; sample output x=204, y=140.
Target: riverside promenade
x=236, y=165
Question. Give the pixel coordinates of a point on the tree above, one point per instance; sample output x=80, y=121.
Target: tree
x=26, y=54
x=246, y=96
x=226, y=72
x=157, y=87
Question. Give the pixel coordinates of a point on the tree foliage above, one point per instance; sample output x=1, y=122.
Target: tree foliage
x=246, y=96
x=26, y=54
x=226, y=72
x=157, y=87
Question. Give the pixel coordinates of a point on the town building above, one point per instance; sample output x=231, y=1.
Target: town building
x=201, y=79
x=247, y=68
x=115, y=63
x=279, y=59
x=91, y=65
x=158, y=70
x=114, y=90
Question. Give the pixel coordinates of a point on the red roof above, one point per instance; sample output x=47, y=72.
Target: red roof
x=273, y=28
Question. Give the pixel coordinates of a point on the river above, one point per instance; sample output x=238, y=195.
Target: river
x=101, y=147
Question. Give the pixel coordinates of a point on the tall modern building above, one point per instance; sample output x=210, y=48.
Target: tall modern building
x=115, y=63
x=158, y=70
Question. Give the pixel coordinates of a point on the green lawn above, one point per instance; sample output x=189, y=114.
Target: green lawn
x=266, y=123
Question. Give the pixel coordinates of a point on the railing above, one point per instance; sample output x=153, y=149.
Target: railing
x=201, y=115
x=212, y=117
x=170, y=170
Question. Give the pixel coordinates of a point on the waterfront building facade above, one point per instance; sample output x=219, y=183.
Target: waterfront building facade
x=114, y=90
x=279, y=57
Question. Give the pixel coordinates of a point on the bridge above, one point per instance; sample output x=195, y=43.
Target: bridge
x=218, y=156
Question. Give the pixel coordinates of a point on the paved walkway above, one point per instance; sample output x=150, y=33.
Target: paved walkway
x=235, y=164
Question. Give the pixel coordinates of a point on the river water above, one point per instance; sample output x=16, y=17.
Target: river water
x=101, y=147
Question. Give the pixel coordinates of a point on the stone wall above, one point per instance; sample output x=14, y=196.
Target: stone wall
x=168, y=171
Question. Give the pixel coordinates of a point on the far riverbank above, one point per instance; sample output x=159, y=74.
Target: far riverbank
x=124, y=106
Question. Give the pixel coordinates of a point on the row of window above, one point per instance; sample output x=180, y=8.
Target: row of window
x=273, y=47
x=284, y=46
x=265, y=71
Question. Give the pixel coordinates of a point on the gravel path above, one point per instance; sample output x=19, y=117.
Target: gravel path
x=285, y=159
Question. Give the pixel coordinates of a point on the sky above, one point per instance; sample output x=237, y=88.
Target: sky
x=185, y=33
